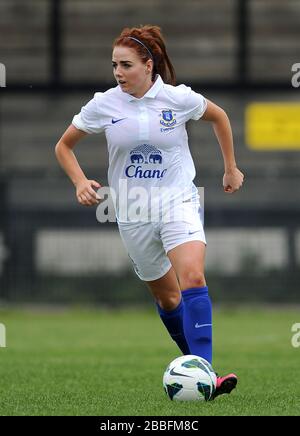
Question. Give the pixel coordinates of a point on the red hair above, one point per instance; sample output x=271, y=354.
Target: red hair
x=151, y=37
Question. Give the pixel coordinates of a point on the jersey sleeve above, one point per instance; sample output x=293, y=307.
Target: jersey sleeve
x=89, y=118
x=195, y=105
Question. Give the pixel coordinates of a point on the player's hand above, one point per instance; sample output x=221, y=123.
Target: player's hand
x=232, y=180
x=86, y=194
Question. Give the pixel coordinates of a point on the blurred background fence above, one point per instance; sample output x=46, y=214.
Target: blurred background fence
x=57, y=54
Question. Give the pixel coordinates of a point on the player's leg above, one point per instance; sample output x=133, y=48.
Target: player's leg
x=167, y=294
x=151, y=265
x=166, y=290
x=187, y=260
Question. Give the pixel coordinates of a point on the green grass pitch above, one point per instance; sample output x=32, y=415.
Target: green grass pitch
x=89, y=362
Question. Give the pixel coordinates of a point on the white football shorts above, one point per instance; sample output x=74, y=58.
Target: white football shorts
x=147, y=243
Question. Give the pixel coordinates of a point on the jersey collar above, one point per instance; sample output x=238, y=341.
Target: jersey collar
x=153, y=91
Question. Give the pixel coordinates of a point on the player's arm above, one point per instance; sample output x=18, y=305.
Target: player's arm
x=85, y=193
x=233, y=177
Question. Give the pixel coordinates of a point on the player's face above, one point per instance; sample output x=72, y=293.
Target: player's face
x=133, y=76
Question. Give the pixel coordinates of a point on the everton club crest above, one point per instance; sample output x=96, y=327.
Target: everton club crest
x=167, y=118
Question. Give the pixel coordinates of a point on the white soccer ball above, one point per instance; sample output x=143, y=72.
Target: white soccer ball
x=189, y=378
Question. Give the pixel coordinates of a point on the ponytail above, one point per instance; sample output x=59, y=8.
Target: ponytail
x=149, y=43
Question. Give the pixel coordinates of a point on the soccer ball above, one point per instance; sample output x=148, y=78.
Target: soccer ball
x=189, y=378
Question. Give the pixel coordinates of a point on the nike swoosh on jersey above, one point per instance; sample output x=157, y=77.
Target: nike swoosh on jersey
x=196, y=231
x=172, y=372
x=116, y=121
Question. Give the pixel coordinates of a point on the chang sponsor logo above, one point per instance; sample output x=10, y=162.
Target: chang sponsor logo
x=139, y=173
x=142, y=156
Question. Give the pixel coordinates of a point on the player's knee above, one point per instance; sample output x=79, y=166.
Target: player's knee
x=192, y=279
x=169, y=302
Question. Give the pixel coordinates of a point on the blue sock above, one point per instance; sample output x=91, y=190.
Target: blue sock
x=173, y=320
x=197, y=321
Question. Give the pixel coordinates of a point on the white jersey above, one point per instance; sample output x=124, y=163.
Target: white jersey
x=146, y=137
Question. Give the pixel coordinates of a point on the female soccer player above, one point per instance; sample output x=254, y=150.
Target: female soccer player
x=144, y=119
